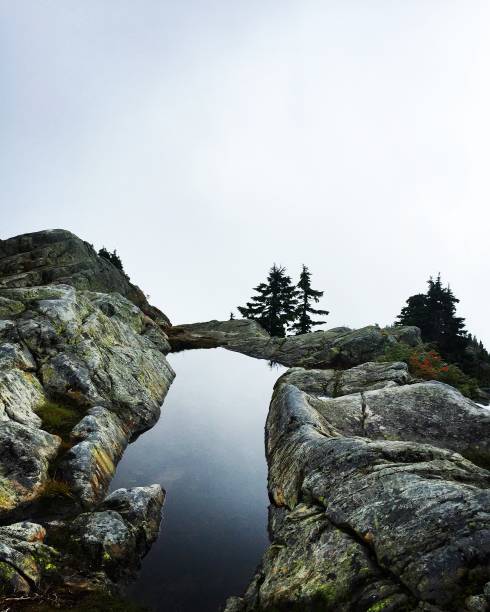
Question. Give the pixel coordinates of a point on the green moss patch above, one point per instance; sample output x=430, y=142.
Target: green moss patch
x=58, y=419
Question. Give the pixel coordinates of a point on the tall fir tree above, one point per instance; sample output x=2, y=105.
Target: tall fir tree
x=275, y=305
x=306, y=295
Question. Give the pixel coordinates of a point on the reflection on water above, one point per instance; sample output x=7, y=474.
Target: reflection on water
x=207, y=451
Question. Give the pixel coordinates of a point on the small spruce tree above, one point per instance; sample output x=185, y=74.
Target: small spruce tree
x=303, y=322
x=275, y=305
x=112, y=257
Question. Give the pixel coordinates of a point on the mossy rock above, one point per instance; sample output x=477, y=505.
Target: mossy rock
x=58, y=419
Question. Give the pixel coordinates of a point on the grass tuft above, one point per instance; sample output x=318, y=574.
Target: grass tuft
x=56, y=488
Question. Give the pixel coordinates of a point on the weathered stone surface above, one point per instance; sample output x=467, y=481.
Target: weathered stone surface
x=363, y=524
x=24, y=558
x=20, y=394
x=332, y=570
x=95, y=549
x=338, y=347
x=100, y=439
x=430, y=412
x=141, y=507
x=87, y=349
x=59, y=257
x=68, y=352
x=120, y=531
x=374, y=400
x=95, y=349
x=25, y=454
x=332, y=383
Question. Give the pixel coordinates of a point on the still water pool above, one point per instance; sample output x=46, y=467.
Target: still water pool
x=207, y=451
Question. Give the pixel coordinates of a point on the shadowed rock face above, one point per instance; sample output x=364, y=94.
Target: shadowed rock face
x=339, y=347
x=58, y=256
x=371, y=507
x=98, y=547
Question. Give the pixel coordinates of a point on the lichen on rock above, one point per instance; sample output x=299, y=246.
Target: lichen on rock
x=339, y=347
x=83, y=371
x=372, y=508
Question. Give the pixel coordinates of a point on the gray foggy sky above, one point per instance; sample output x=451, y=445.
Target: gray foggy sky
x=206, y=139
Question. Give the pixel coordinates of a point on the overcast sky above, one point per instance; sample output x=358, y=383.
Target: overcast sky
x=207, y=139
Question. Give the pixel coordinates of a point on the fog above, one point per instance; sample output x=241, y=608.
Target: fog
x=205, y=140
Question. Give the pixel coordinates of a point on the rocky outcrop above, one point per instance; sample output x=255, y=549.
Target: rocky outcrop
x=58, y=256
x=82, y=373
x=24, y=558
x=340, y=347
x=378, y=487
x=372, y=508
x=91, y=553
x=91, y=352
x=117, y=534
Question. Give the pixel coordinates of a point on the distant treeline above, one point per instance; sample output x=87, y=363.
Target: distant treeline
x=281, y=307
x=450, y=353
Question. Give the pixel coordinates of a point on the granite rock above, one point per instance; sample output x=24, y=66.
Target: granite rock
x=340, y=347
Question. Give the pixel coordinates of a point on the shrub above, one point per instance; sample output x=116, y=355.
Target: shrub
x=397, y=352
x=426, y=363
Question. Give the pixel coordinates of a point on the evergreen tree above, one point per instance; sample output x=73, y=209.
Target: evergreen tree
x=232, y=316
x=416, y=313
x=435, y=314
x=275, y=305
x=112, y=257
x=477, y=360
x=307, y=295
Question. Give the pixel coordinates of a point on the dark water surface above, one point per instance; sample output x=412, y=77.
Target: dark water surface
x=207, y=451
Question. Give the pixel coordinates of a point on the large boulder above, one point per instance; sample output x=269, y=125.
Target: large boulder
x=366, y=514
x=58, y=256
x=94, y=349
x=339, y=347
x=117, y=534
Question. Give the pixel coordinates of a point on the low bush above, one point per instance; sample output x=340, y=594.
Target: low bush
x=426, y=363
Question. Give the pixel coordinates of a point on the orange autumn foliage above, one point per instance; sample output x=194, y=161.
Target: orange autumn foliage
x=428, y=365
